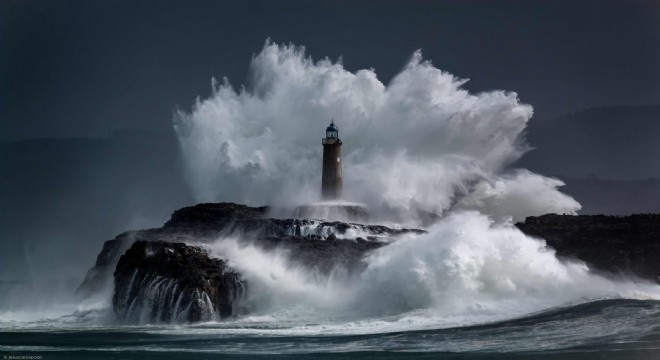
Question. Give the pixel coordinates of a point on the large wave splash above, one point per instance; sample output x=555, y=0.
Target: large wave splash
x=422, y=142
x=465, y=270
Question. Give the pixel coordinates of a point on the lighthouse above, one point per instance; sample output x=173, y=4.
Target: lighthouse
x=332, y=187
x=332, y=184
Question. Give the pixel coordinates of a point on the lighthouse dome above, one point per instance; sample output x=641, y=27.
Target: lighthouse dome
x=332, y=131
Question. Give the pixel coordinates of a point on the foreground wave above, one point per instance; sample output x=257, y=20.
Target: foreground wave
x=614, y=328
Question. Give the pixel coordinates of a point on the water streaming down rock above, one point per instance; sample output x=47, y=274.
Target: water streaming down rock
x=206, y=223
x=160, y=282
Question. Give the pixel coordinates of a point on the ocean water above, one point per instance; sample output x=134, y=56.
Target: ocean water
x=603, y=329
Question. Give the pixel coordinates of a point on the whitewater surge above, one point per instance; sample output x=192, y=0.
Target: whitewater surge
x=468, y=266
x=466, y=270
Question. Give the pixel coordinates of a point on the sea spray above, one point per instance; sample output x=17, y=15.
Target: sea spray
x=467, y=265
x=421, y=142
x=277, y=284
x=467, y=269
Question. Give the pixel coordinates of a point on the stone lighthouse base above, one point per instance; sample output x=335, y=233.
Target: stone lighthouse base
x=334, y=211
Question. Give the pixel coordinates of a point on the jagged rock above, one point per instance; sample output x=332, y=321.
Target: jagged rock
x=214, y=215
x=324, y=256
x=205, y=223
x=162, y=282
x=100, y=275
x=612, y=244
x=97, y=277
x=229, y=218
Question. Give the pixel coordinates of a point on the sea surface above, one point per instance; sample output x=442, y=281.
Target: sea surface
x=602, y=329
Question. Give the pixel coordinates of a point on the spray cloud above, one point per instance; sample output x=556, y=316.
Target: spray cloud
x=420, y=142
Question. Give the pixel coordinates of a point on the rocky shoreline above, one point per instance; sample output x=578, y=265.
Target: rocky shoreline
x=610, y=245
x=177, y=272
x=164, y=275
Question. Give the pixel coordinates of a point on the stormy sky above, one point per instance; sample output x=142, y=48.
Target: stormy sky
x=85, y=68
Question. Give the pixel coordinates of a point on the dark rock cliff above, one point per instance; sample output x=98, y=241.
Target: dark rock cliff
x=612, y=244
x=318, y=245
x=162, y=282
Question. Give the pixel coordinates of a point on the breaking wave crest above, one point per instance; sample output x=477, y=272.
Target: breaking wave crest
x=421, y=142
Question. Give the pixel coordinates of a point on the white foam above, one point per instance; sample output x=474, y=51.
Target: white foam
x=421, y=142
x=466, y=270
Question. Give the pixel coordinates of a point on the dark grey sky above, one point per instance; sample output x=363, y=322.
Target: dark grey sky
x=83, y=68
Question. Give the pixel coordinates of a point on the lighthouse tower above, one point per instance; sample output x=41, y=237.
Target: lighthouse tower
x=332, y=184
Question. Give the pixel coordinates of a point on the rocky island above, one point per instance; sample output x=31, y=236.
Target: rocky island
x=165, y=275
x=160, y=275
